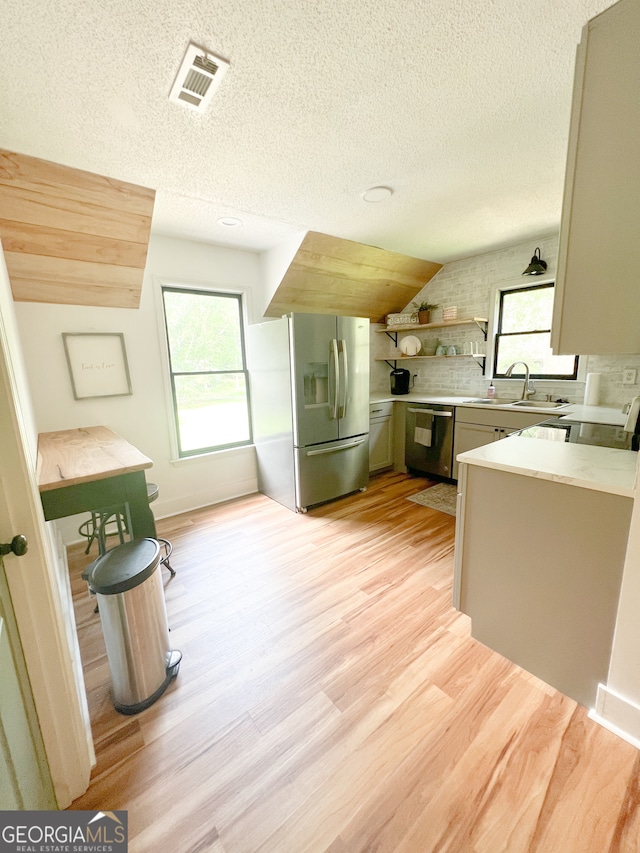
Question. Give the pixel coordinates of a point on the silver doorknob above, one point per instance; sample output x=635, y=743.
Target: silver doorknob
x=17, y=546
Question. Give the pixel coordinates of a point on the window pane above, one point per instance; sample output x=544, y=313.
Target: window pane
x=212, y=411
x=527, y=310
x=203, y=331
x=535, y=350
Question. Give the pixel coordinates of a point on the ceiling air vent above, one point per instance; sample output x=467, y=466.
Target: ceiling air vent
x=199, y=76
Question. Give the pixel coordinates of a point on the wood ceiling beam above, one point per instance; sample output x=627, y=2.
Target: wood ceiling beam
x=72, y=237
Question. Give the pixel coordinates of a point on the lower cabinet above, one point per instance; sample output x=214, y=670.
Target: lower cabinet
x=477, y=427
x=380, y=436
x=538, y=568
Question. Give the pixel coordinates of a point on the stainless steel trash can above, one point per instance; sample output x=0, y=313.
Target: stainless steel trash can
x=128, y=586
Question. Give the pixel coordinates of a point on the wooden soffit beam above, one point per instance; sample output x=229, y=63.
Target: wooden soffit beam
x=329, y=275
x=72, y=237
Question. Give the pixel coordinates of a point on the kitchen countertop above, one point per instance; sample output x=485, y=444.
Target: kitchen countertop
x=593, y=415
x=600, y=468
x=572, y=412
x=603, y=469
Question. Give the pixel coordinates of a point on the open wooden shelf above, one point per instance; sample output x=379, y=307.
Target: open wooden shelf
x=443, y=324
x=423, y=357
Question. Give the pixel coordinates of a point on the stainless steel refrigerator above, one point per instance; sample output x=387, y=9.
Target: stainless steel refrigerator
x=309, y=377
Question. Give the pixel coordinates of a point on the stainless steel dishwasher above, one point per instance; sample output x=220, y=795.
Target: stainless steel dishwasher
x=429, y=439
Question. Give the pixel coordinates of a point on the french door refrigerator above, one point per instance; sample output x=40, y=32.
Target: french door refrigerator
x=309, y=377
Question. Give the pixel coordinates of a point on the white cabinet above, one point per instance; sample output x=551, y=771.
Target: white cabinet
x=539, y=577
x=596, y=291
x=380, y=436
x=470, y=436
x=477, y=427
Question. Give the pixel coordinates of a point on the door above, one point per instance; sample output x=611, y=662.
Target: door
x=353, y=361
x=33, y=626
x=315, y=379
x=25, y=782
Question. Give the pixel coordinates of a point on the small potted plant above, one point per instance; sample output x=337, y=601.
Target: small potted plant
x=421, y=314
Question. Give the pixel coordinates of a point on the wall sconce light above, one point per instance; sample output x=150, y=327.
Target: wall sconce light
x=537, y=265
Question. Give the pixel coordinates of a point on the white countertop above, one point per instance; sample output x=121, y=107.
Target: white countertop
x=572, y=412
x=593, y=415
x=603, y=469
x=418, y=398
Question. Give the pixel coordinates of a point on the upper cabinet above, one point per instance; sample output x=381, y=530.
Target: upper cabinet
x=597, y=293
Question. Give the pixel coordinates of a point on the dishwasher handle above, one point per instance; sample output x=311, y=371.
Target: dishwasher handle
x=432, y=412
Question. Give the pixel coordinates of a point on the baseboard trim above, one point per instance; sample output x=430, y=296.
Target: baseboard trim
x=191, y=503
x=618, y=714
x=68, y=525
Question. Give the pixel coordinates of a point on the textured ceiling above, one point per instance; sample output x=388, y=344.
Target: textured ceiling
x=462, y=106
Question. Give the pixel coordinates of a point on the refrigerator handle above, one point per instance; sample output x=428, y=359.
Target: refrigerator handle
x=345, y=368
x=335, y=449
x=336, y=378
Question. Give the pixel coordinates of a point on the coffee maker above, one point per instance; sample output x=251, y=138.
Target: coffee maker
x=400, y=380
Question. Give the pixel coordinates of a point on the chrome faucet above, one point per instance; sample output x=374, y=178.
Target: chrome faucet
x=527, y=387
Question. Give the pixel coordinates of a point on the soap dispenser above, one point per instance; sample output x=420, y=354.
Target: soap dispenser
x=491, y=391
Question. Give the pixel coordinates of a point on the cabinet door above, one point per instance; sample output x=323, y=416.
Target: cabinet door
x=470, y=436
x=596, y=292
x=380, y=443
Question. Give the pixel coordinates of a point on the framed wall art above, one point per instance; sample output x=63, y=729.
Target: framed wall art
x=97, y=364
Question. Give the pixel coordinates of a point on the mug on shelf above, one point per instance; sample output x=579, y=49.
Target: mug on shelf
x=441, y=350
x=452, y=350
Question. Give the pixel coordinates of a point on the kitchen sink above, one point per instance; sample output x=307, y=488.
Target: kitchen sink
x=540, y=404
x=493, y=401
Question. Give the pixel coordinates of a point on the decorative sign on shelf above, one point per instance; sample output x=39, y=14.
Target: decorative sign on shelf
x=97, y=364
x=399, y=319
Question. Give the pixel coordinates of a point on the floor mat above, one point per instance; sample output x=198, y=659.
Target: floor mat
x=442, y=496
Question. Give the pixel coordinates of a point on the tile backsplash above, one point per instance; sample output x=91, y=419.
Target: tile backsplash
x=467, y=284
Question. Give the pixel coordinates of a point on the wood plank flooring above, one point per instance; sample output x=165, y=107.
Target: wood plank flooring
x=331, y=700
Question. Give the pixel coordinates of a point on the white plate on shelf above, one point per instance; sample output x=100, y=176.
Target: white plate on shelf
x=410, y=345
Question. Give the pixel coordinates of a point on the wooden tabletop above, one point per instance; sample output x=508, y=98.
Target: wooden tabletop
x=72, y=456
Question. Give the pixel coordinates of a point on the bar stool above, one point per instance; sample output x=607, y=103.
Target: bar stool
x=96, y=528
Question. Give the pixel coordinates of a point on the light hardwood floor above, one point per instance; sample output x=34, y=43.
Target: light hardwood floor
x=331, y=700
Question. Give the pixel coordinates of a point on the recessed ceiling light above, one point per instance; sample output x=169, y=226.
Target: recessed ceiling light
x=229, y=221
x=375, y=194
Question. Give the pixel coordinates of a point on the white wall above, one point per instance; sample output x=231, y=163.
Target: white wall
x=467, y=284
x=273, y=265
x=141, y=418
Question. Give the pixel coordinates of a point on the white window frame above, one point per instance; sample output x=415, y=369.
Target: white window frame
x=181, y=284
x=494, y=311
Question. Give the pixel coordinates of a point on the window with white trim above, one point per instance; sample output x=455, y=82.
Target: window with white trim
x=523, y=333
x=208, y=369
